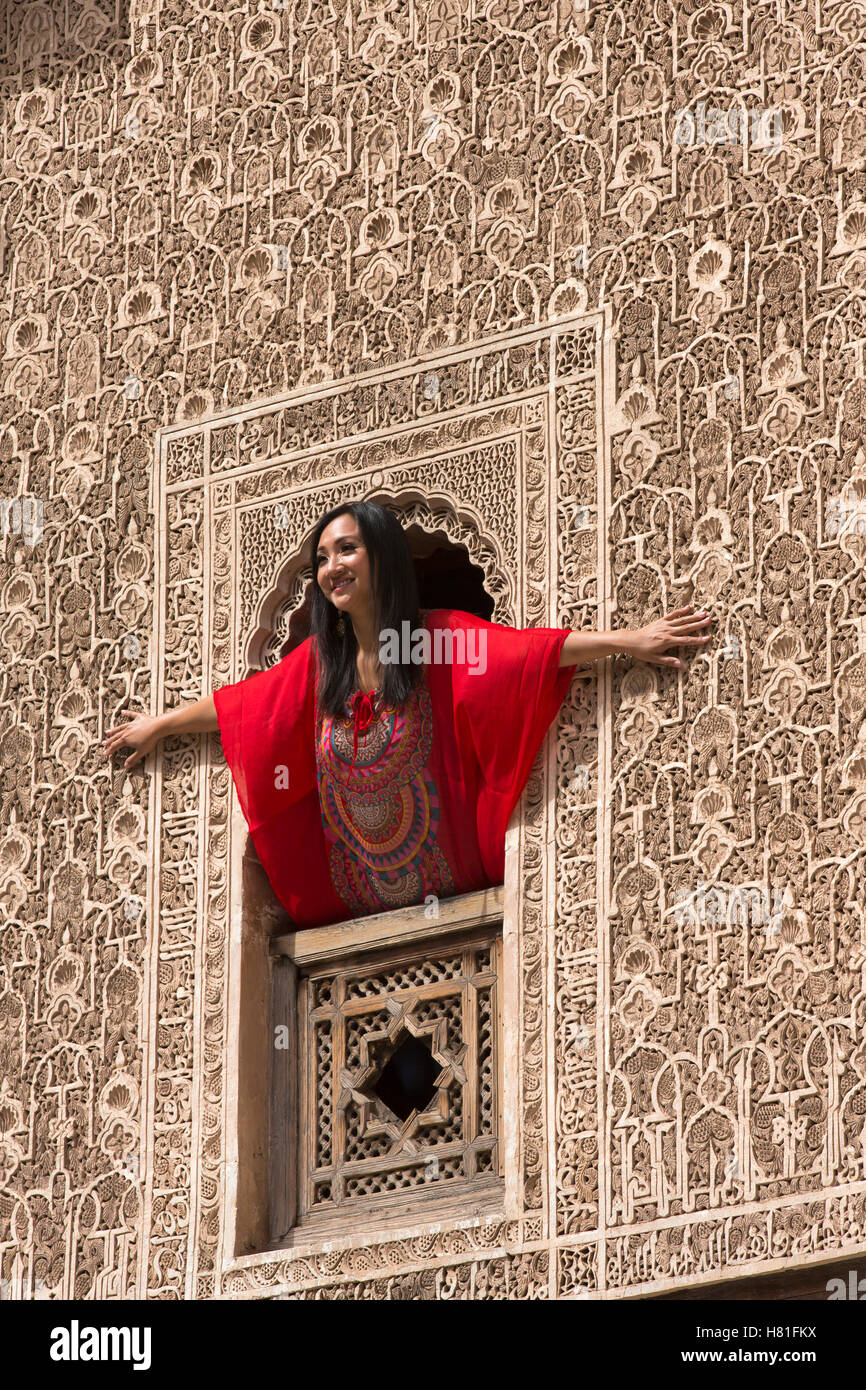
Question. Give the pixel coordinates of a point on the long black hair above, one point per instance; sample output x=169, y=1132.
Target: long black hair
x=395, y=600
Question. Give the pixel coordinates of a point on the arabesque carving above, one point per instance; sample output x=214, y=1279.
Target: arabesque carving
x=582, y=287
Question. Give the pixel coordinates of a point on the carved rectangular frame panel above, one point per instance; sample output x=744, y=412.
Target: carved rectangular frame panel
x=500, y=446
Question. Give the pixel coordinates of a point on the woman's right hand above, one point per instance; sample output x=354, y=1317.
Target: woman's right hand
x=142, y=734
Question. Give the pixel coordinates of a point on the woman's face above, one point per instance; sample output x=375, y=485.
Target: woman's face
x=343, y=565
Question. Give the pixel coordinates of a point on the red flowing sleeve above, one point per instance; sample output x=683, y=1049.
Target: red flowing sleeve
x=503, y=698
x=267, y=730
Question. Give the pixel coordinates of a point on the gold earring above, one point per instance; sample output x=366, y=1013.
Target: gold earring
x=341, y=625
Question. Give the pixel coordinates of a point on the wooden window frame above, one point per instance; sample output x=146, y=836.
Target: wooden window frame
x=364, y=939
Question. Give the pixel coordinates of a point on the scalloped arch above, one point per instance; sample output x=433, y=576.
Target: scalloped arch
x=434, y=514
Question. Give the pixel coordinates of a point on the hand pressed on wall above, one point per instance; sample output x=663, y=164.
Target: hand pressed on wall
x=673, y=630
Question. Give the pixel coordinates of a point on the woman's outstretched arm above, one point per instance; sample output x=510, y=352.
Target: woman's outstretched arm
x=645, y=643
x=146, y=730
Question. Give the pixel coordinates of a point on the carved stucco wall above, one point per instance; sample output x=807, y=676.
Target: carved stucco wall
x=225, y=234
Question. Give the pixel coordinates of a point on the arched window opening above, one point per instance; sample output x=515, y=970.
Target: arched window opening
x=439, y=1077
x=447, y=578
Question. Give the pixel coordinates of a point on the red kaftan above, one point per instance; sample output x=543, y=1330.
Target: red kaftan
x=378, y=808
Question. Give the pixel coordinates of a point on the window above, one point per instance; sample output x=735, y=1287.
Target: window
x=386, y=1085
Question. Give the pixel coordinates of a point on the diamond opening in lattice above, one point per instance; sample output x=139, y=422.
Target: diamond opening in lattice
x=407, y=1082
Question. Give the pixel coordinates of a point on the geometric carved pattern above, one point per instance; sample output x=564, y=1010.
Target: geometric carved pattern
x=364, y=186
x=354, y=1148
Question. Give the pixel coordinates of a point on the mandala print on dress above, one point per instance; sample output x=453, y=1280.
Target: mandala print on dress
x=381, y=815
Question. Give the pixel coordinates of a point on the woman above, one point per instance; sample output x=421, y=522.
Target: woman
x=378, y=763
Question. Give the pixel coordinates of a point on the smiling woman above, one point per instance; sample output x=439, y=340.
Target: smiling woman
x=373, y=773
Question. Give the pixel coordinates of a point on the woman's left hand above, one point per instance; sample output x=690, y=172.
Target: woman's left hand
x=675, y=629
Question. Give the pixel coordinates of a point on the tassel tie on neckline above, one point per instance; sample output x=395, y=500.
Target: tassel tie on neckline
x=364, y=710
